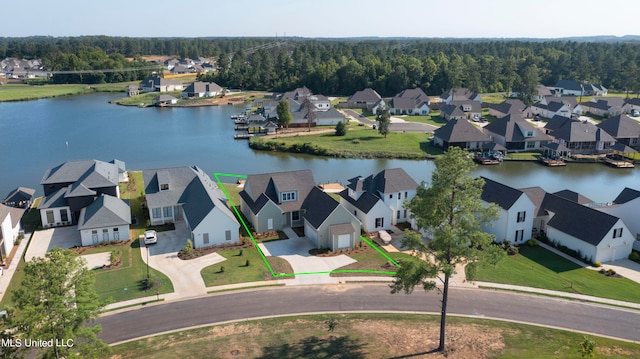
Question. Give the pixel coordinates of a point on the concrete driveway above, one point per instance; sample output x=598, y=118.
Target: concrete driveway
x=295, y=250
x=45, y=240
x=184, y=274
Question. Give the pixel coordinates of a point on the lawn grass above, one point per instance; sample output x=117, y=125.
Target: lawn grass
x=26, y=92
x=537, y=267
x=236, y=271
x=233, y=191
x=16, y=282
x=497, y=97
x=523, y=155
x=433, y=118
x=364, y=335
x=359, y=142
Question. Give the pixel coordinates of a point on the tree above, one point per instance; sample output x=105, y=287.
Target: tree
x=528, y=84
x=384, y=118
x=452, y=213
x=311, y=113
x=56, y=300
x=284, y=113
x=341, y=129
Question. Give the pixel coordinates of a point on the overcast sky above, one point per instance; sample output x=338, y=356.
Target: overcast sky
x=325, y=18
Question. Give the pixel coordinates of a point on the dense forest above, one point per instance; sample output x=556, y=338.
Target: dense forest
x=343, y=66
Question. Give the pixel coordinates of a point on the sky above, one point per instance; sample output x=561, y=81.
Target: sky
x=326, y=18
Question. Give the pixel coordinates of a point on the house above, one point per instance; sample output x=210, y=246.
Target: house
x=459, y=94
x=202, y=89
x=410, y=102
x=329, y=224
x=626, y=206
x=367, y=99
x=458, y=110
x=159, y=84
x=272, y=201
x=305, y=102
x=515, y=215
x=597, y=236
x=569, y=88
x=460, y=133
x=106, y=219
x=595, y=90
x=552, y=106
x=631, y=105
x=624, y=130
x=506, y=107
x=132, y=90
x=516, y=134
x=164, y=100
x=583, y=137
x=557, y=122
x=604, y=107
x=10, y=228
x=187, y=194
x=20, y=197
x=73, y=185
x=298, y=94
x=378, y=200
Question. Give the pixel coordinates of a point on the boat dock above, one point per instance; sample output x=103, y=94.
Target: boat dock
x=618, y=163
x=242, y=136
x=552, y=162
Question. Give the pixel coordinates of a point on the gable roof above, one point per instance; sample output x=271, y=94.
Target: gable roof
x=19, y=194
x=500, y=194
x=621, y=126
x=508, y=106
x=558, y=121
x=410, y=98
x=461, y=131
x=393, y=180
x=55, y=199
x=627, y=194
x=15, y=214
x=365, y=203
x=459, y=94
x=200, y=86
x=318, y=206
x=536, y=195
x=573, y=196
x=366, y=95
x=511, y=127
x=572, y=85
x=106, y=211
x=582, y=131
x=266, y=186
x=92, y=173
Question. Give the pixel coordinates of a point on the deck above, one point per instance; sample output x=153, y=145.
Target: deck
x=617, y=163
x=486, y=160
x=552, y=162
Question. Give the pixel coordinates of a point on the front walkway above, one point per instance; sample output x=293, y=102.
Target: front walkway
x=8, y=271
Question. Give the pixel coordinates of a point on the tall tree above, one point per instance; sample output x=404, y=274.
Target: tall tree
x=384, y=118
x=56, y=301
x=284, y=113
x=452, y=213
x=311, y=113
x=528, y=84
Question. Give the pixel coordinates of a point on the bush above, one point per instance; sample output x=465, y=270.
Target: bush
x=512, y=250
x=597, y=264
x=635, y=256
x=532, y=243
x=341, y=129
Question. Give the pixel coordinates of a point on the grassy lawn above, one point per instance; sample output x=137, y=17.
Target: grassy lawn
x=369, y=336
x=497, y=97
x=358, y=142
x=233, y=191
x=236, y=271
x=536, y=267
x=523, y=155
x=433, y=118
x=24, y=92
x=16, y=282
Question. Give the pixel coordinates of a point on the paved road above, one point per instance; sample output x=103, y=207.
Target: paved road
x=597, y=319
x=395, y=127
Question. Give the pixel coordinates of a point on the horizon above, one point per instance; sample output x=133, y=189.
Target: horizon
x=332, y=19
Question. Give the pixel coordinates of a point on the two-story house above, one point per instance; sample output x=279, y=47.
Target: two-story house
x=516, y=212
x=516, y=134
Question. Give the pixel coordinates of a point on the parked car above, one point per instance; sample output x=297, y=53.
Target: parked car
x=635, y=113
x=150, y=237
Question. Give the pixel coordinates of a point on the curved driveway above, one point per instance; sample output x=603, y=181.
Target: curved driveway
x=572, y=315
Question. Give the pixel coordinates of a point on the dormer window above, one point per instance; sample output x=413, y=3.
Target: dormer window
x=164, y=187
x=289, y=196
x=530, y=133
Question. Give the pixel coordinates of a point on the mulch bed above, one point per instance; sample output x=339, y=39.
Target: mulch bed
x=199, y=252
x=325, y=252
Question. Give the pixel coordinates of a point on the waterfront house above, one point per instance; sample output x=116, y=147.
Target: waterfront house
x=458, y=110
x=626, y=206
x=304, y=102
x=20, y=197
x=106, y=219
x=10, y=228
x=132, y=90
x=187, y=194
x=410, y=102
x=72, y=186
x=459, y=94
x=583, y=137
x=159, y=84
x=515, y=215
x=594, y=234
x=624, y=129
x=516, y=134
x=460, y=133
x=202, y=89
x=378, y=201
x=164, y=100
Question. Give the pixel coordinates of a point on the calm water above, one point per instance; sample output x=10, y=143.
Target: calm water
x=37, y=135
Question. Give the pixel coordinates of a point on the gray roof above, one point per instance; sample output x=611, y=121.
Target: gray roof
x=508, y=106
x=338, y=229
x=365, y=203
x=14, y=213
x=573, y=196
x=106, y=211
x=461, y=131
x=536, y=195
x=621, y=126
x=500, y=194
x=511, y=127
x=200, y=86
x=55, y=199
x=19, y=194
x=627, y=194
x=318, y=206
x=459, y=94
x=577, y=131
x=456, y=108
x=366, y=95
x=410, y=99
x=91, y=173
x=569, y=85
x=633, y=101
x=267, y=186
x=386, y=181
x=557, y=122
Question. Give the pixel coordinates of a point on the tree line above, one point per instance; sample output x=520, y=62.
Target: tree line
x=343, y=66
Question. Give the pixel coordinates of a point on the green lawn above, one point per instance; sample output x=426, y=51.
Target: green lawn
x=537, y=267
x=236, y=271
x=16, y=282
x=233, y=191
x=497, y=97
x=24, y=92
x=433, y=118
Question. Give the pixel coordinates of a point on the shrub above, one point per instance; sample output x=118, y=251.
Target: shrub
x=597, y=264
x=532, y=243
x=221, y=269
x=512, y=250
x=341, y=129
x=355, y=142
x=634, y=256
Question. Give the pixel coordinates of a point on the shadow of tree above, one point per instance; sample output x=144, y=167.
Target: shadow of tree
x=314, y=347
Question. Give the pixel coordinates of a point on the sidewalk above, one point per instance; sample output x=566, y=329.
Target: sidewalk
x=7, y=273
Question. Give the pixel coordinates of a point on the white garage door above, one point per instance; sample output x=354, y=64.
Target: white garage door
x=344, y=241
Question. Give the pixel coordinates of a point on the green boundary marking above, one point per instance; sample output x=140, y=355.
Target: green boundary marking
x=217, y=176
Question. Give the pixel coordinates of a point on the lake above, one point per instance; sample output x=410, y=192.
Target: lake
x=38, y=135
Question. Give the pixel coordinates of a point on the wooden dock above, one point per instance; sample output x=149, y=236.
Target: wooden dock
x=618, y=163
x=552, y=162
x=242, y=136
x=486, y=160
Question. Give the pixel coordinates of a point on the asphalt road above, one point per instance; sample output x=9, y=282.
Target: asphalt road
x=592, y=318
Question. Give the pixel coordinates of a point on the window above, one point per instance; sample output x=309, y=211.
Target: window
x=529, y=133
x=227, y=236
x=519, y=235
x=521, y=216
x=405, y=213
x=116, y=234
x=398, y=214
x=405, y=195
x=105, y=234
x=379, y=222
x=156, y=213
x=617, y=233
x=398, y=195
x=295, y=215
x=205, y=238
x=391, y=196
x=289, y=196
x=94, y=235
x=50, y=218
x=167, y=212
x=64, y=216
x=531, y=145
x=164, y=187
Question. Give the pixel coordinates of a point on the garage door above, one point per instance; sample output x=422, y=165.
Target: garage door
x=344, y=241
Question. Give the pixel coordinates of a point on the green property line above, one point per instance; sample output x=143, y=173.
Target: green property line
x=217, y=176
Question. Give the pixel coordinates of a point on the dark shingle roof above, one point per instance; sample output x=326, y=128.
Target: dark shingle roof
x=366, y=95
x=558, y=121
x=270, y=184
x=578, y=131
x=621, y=126
x=536, y=195
x=508, y=106
x=512, y=126
x=500, y=194
x=55, y=199
x=93, y=173
x=461, y=131
x=626, y=195
x=365, y=203
x=106, y=211
x=393, y=180
x=573, y=196
x=569, y=85
x=19, y=194
x=318, y=206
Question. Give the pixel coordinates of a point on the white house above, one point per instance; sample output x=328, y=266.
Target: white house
x=187, y=194
x=106, y=219
x=9, y=228
x=378, y=200
x=516, y=212
x=627, y=207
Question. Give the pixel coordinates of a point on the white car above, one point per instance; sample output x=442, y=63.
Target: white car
x=150, y=237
